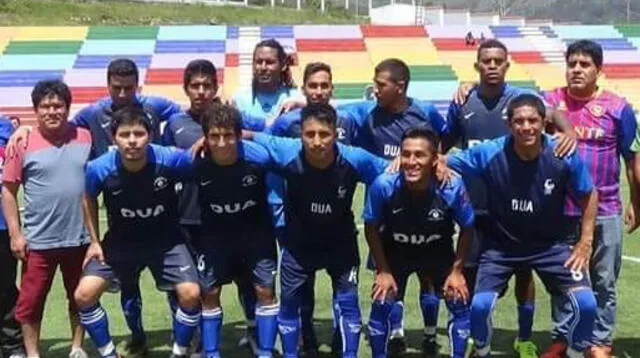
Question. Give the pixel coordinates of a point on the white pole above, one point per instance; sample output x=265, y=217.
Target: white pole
x=370, y=6
x=346, y=4
x=298, y=6
x=273, y=3
x=322, y=5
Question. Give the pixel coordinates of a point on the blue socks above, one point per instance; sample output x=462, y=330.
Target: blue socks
x=184, y=326
x=430, y=305
x=459, y=327
x=396, y=319
x=94, y=319
x=350, y=321
x=481, y=325
x=583, y=303
x=210, y=328
x=525, y=320
x=267, y=326
x=380, y=327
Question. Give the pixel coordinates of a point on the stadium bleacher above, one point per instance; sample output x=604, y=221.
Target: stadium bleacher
x=438, y=56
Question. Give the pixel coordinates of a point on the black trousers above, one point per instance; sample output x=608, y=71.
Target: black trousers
x=10, y=333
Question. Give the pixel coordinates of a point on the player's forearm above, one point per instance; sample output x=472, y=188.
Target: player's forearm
x=10, y=209
x=589, y=211
x=90, y=211
x=372, y=233
x=633, y=178
x=462, y=250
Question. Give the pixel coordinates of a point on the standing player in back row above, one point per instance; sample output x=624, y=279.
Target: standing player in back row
x=606, y=125
x=409, y=225
x=321, y=177
x=381, y=125
x=138, y=185
x=527, y=227
x=480, y=118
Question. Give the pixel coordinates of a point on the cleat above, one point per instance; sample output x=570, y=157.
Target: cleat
x=336, y=343
x=557, y=349
x=430, y=347
x=136, y=348
x=525, y=349
x=397, y=347
x=250, y=340
x=78, y=353
x=469, y=350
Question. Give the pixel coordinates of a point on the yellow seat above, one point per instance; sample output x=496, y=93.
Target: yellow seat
x=547, y=76
x=346, y=67
x=413, y=51
x=230, y=84
x=51, y=33
x=6, y=34
x=517, y=73
x=173, y=92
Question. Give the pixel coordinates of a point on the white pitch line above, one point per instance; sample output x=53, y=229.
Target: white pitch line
x=631, y=258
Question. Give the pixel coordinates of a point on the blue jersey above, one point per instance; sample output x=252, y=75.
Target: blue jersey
x=97, y=119
x=412, y=222
x=141, y=206
x=527, y=198
x=234, y=198
x=478, y=120
x=318, y=201
x=259, y=110
x=182, y=131
x=289, y=125
x=6, y=130
x=380, y=131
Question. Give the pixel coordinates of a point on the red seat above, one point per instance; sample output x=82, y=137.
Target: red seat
x=312, y=45
x=393, y=31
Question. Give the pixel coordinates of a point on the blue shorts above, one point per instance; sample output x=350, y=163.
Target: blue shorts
x=228, y=258
x=496, y=267
x=170, y=265
x=432, y=267
x=296, y=270
x=479, y=229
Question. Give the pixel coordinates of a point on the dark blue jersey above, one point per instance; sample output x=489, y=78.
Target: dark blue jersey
x=97, y=119
x=141, y=206
x=478, y=120
x=318, y=201
x=234, y=198
x=6, y=129
x=289, y=125
x=414, y=222
x=380, y=131
x=182, y=131
x=527, y=198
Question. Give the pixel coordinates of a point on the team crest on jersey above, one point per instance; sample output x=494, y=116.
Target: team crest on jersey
x=504, y=114
x=435, y=215
x=342, y=134
x=160, y=183
x=597, y=110
x=342, y=192
x=249, y=180
x=548, y=187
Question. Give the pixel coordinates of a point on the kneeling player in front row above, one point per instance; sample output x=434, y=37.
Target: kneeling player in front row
x=528, y=186
x=138, y=183
x=321, y=176
x=237, y=232
x=409, y=225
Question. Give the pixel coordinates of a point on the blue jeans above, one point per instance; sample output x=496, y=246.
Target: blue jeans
x=605, y=269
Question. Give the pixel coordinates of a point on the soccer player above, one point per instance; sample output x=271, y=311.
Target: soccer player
x=381, y=125
x=51, y=170
x=10, y=335
x=409, y=225
x=528, y=185
x=481, y=118
x=317, y=88
x=606, y=126
x=321, y=176
x=137, y=182
x=232, y=192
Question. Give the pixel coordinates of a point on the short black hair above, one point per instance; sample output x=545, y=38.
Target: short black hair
x=322, y=112
x=423, y=132
x=491, y=43
x=46, y=88
x=527, y=99
x=398, y=70
x=122, y=67
x=586, y=47
x=314, y=67
x=221, y=115
x=199, y=67
x=130, y=115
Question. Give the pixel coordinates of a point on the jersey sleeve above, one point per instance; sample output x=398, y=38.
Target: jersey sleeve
x=473, y=161
x=278, y=127
x=454, y=127
x=181, y=161
x=13, y=166
x=167, y=133
x=627, y=132
x=359, y=111
x=82, y=118
x=459, y=201
x=374, y=204
x=368, y=166
x=281, y=150
x=349, y=128
x=6, y=129
x=635, y=146
x=165, y=108
x=580, y=181
x=436, y=120
x=93, y=181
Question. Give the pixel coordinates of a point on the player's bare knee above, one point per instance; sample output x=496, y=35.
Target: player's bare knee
x=265, y=295
x=524, y=286
x=86, y=294
x=188, y=294
x=211, y=298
